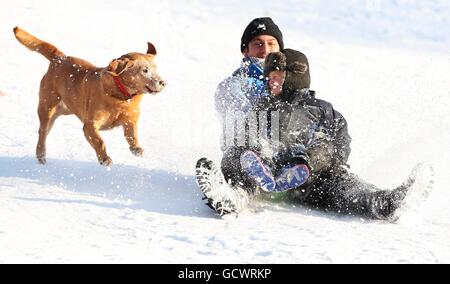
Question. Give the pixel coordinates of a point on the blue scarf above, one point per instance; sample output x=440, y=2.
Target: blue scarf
x=256, y=79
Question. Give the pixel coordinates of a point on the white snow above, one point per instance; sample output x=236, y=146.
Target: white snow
x=383, y=64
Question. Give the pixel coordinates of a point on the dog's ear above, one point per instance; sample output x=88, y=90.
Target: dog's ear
x=151, y=49
x=118, y=66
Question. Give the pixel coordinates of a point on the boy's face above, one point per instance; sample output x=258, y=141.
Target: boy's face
x=261, y=46
x=276, y=80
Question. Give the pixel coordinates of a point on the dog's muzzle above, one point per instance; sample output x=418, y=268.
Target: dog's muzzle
x=158, y=86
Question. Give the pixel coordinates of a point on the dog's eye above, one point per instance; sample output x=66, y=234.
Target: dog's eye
x=145, y=70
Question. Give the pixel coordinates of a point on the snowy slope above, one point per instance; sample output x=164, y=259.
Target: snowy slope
x=383, y=64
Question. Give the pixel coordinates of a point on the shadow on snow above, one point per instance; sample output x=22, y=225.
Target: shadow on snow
x=133, y=187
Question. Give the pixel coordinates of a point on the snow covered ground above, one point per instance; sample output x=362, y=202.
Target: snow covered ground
x=383, y=64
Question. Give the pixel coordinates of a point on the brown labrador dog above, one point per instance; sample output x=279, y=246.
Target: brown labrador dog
x=102, y=98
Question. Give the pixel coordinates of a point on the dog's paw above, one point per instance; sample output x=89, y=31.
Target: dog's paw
x=137, y=151
x=42, y=160
x=107, y=162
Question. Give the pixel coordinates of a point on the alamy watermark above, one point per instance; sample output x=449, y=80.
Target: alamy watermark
x=251, y=129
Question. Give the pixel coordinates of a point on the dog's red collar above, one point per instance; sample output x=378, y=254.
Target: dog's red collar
x=121, y=87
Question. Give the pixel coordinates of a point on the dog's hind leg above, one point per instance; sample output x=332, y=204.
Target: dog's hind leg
x=48, y=113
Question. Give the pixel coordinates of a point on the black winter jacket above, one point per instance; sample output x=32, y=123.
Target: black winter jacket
x=308, y=127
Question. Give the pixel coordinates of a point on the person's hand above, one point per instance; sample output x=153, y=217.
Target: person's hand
x=295, y=152
x=318, y=137
x=299, y=152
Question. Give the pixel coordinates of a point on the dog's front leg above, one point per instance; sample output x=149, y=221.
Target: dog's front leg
x=93, y=137
x=130, y=132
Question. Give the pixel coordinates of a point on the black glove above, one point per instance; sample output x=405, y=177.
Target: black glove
x=295, y=153
x=298, y=154
x=317, y=136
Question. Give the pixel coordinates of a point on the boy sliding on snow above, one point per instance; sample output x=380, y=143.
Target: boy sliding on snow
x=313, y=148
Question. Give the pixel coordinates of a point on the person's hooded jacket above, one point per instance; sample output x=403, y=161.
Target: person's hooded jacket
x=309, y=128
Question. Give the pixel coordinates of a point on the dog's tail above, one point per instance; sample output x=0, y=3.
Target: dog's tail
x=49, y=51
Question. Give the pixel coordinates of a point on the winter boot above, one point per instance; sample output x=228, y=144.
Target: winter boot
x=219, y=196
x=408, y=197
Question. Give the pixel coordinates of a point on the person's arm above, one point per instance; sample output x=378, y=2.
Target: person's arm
x=230, y=95
x=233, y=106
x=332, y=136
x=341, y=138
x=329, y=142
